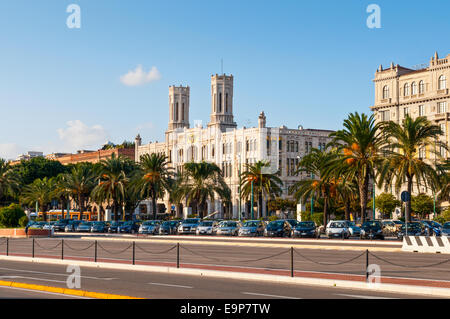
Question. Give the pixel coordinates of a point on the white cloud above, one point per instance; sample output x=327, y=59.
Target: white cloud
x=139, y=76
x=79, y=136
x=10, y=151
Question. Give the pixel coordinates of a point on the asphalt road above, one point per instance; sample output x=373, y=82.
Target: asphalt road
x=166, y=286
x=416, y=266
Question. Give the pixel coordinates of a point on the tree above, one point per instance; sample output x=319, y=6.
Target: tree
x=40, y=191
x=202, y=182
x=422, y=204
x=266, y=184
x=113, y=183
x=359, y=144
x=9, y=180
x=38, y=167
x=154, y=178
x=79, y=183
x=405, y=160
x=321, y=185
x=11, y=215
x=385, y=203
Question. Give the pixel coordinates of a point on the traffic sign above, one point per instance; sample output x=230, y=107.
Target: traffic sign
x=405, y=196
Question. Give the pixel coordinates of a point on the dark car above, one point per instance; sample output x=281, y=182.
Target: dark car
x=169, y=227
x=292, y=222
x=432, y=228
x=61, y=224
x=411, y=229
x=304, y=229
x=278, y=228
x=99, y=227
x=129, y=227
x=252, y=228
x=113, y=227
x=446, y=229
x=72, y=225
x=84, y=227
x=372, y=230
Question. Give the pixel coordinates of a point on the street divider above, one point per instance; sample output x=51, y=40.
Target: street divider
x=426, y=244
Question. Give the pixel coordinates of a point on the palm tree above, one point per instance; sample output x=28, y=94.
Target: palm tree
x=154, y=178
x=9, y=179
x=321, y=186
x=265, y=183
x=79, y=183
x=202, y=182
x=358, y=144
x=61, y=192
x=41, y=192
x=112, y=183
x=405, y=162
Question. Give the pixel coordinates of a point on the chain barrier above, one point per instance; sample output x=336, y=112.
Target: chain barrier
x=78, y=249
x=201, y=255
x=46, y=248
x=116, y=252
x=3, y=241
x=263, y=258
x=329, y=264
x=408, y=266
x=156, y=253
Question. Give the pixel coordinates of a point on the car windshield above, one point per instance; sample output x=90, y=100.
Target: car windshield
x=372, y=224
x=114, y=223
x=398, y=222
x=412, y=226
x=98, y=223
x=429, y=223
x=337, y=225
x=150, y=223
x=207, y=224
x=293, y=222
x=276, y=223
x=228, y=224
x=251, y=224
x=85, y=224
x=306, y=224
x=446, y=225
x=351, y=224
x=191, y=221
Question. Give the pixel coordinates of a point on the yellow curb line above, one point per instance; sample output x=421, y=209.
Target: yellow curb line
x=64, y=291
x=192, y=242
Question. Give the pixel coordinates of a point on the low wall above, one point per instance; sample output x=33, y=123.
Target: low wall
x=20, y=232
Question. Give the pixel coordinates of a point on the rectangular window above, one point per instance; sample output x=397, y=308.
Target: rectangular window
x=405, y=111
x=385, y=115
x=421, y=110
x=442, y=107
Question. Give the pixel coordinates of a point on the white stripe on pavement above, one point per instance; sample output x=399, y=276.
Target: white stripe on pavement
x=169, y=285
x=266, y=295
x=364, y=297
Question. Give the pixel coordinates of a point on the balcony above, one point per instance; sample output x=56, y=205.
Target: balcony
x=388, y=100
x=442, y=92
x=441, y=116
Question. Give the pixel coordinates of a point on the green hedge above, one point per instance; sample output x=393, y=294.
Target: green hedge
x=10, y=216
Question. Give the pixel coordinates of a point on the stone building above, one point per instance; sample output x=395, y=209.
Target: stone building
x=230, y=147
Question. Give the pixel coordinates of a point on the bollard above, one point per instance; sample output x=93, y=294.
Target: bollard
x=134, y=252
x=7, y=246
x=95, y=251
x=367, y=265
x=62, y=249
x=292, y=261
x=178, y=255
x=32, y=249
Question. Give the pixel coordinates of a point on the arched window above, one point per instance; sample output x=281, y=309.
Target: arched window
x=406, y=90
x=414, y=88
x=182, y=112
x=442, y=82
x=220, y=102
x=421, y=87
x=226, y=102
x=385, y=92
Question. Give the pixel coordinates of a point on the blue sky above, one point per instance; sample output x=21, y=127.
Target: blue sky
x=302, y=62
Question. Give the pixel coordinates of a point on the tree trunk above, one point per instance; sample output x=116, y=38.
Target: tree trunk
x=154, y=207
x=325, y=211
x=363, y=193
x=347, y=209
x=408, y=203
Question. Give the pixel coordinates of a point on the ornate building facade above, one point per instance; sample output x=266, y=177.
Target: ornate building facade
x=230, y=147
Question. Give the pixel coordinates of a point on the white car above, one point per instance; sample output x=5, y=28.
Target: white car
x=338, y=229
x=207, y=227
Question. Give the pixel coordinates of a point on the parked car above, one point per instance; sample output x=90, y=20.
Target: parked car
x=84, y=227
x=355, y=231
x=128, y=227
x=150, y=227
x=169, y=227
x=252, y=228
x=292, y=222
x=411, y=229
x=72, y=226
x=49, y=225
x=38, y=225
x=99, y=227
x=432, y=228
x=446, y=229
x=304, y=229
x=228, y=227
x=337, y=229
x=61, y=224
x=391, y=225
x=207, y=227
x=188, y=226
x=114, y=226
x=372, y=230
x=278, y=228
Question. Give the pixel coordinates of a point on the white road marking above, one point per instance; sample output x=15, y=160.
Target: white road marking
x=265, y=295
x=169, y=285
x=32, y=278
x=364, y=297
x=55, y=274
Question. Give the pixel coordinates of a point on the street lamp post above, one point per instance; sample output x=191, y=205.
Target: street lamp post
x=373, y=204
x=252, y=200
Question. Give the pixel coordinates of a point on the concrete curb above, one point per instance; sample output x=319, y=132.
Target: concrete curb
x=378, y=287
x=247, y=244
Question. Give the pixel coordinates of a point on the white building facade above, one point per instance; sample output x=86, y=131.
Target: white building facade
x=231, y=148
